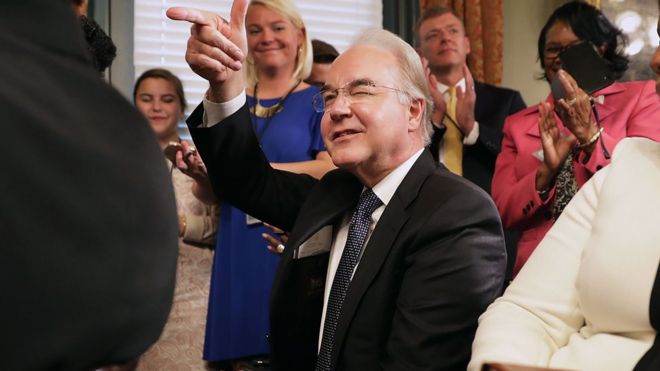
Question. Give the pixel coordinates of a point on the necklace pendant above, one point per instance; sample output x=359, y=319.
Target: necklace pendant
x=266, y=112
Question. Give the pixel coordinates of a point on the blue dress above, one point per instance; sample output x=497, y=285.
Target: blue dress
x=243, y=269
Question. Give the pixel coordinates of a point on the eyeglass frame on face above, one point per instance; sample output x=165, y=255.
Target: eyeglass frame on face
x=356, y=91
x=554, y=51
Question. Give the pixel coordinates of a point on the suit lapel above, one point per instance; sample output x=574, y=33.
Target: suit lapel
x=380, y=244
x=325, y=207
x=604, y=109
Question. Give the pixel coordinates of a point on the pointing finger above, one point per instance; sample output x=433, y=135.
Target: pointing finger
x=193, y=16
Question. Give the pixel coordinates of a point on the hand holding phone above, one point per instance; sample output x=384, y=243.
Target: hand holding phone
x=588, y=68
x=171, y=150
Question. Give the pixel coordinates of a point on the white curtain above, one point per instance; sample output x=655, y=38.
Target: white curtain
x=160, y=42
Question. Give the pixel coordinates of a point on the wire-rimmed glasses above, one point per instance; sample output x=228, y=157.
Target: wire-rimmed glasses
x=356, y=91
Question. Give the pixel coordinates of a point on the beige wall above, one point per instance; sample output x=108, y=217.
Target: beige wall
x=523, y=20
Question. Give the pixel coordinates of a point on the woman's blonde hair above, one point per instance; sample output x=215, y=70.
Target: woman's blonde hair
x=304, y=62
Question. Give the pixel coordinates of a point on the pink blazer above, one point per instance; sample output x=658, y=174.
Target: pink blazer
x=630, y=109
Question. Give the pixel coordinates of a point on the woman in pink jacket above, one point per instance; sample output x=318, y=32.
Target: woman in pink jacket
x=551, y=149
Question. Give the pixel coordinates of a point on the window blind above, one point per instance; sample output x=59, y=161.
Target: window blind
x=160, y=42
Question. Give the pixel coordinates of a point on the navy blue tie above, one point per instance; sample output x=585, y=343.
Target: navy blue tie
x=357, y=235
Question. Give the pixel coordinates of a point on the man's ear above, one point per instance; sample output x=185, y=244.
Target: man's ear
x=416, y=112
x=468, y=49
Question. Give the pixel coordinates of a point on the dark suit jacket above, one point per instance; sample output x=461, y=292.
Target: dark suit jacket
x=87, y=211
x=424, y=277
x=492, y=106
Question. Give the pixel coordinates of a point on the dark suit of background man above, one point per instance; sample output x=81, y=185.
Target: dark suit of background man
x=440, y=38
x=89, y=229
x=423, y=278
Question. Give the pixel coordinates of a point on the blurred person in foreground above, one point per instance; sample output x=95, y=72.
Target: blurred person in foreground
x=589, y=296
x=99, y=44
x=374, y=274
x=159, y=95
x=551, y=149
x=89, y=220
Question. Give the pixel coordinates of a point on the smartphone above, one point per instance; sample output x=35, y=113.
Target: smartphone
x=171, y=150
x=557, y=89
x=588, y=68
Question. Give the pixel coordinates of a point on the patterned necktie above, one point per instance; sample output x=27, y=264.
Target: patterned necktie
x=566, y=186
x=452, y=145
x=357, y=235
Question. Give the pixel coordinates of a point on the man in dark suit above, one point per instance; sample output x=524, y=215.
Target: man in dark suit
x=480, y=108
x=411, y=295
x=89, y=228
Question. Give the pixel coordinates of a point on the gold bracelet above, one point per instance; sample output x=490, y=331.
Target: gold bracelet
x=591, y=141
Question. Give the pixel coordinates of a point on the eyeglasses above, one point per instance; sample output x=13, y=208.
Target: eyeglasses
x=356, y=91
x=553, y=51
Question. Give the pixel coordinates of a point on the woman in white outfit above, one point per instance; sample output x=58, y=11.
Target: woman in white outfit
x=589, y=296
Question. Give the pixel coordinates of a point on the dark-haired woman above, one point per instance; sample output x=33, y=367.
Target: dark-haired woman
x=549, y=150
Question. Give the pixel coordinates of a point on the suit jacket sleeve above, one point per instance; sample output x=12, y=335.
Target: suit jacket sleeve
x=540, y=309
x=89, y=233
x=460, y=263
x=242, y=176
x=490, y=128
x=516, y=198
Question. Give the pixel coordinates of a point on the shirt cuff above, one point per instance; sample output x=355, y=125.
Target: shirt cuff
x=216, y=112
x=472, y=137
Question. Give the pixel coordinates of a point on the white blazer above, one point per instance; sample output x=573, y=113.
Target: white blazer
x=582, y=300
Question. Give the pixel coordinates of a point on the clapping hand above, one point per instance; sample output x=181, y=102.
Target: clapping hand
x=465, y=102
x=189, y=162
x=575, y=110
x=439, y=105
x=556, y=147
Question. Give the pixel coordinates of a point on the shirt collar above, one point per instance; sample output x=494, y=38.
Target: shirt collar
x=387, y=186
x=442, y=88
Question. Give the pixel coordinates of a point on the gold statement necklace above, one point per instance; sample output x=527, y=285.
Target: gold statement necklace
x=268, y=112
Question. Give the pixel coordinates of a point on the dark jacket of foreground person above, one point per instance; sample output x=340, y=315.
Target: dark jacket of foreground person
x=87, y=213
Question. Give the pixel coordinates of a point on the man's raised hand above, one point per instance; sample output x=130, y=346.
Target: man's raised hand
x=216, y=48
